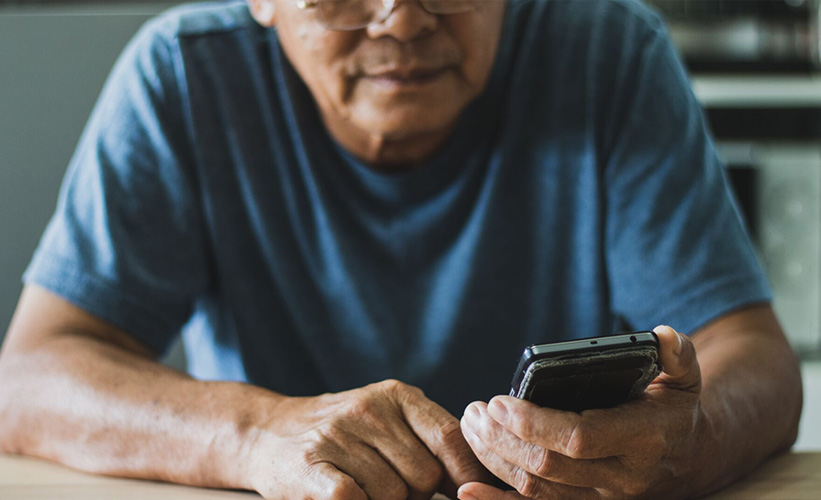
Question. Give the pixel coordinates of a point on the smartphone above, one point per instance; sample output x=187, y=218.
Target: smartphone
x=595, y=372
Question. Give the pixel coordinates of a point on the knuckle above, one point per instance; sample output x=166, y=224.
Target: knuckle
x=315, y=447
x=414, y=391
x=392, y=386
x=449, y=434
x=430, y=476
x=343, y=489
x=578, y=442
x=362, y=408
x=333, y=431
x=538, y=461
x=309, y=455
x=400, y=390
x=525, y=483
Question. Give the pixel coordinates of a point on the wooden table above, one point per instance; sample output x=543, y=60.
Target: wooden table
x=795, y=476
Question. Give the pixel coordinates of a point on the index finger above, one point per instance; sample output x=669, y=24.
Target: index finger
x=441, y=432
x=546, y=427
x=592, y=434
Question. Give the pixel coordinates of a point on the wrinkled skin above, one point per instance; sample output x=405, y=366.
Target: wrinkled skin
x=363, y=80
x=636, y=450
x=385, y=441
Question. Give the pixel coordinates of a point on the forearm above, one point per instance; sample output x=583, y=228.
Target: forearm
x=751, y=400
x=89, y=404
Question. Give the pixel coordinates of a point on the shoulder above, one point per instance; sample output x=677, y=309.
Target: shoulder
x=161, y=37
x=579, y=68
x=617, y=16
x=157, y=50
x=585, y=28
x=590, y=47
x=201, y=19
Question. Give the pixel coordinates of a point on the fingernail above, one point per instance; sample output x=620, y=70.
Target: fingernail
x=661, y=328
x=498, y=411
x=470, y=416
x=679, y=345
x=463, y=495
x=471, y=411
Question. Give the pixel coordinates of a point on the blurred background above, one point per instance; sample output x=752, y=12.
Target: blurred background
x=755, y=67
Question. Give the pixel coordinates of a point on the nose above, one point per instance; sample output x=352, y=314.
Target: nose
x=407, y=21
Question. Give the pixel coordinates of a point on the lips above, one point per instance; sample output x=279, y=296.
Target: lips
x=407, y=77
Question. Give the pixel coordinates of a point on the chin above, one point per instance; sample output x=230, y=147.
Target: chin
x=399, y=124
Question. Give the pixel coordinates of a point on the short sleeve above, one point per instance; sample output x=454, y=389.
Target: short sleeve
x=677, y=250
x=126, y=240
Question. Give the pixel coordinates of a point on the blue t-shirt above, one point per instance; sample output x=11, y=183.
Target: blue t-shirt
x=579, y=194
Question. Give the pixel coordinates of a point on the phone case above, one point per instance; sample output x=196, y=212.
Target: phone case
x=590, y=380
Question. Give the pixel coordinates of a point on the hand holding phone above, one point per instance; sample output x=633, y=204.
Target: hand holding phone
x=610, y=453
x=596, y=372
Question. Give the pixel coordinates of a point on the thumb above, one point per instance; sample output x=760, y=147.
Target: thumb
x=482, y=491
x=677, y=356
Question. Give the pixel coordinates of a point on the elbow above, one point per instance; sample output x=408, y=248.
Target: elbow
x=15, y=399
x=795, y=403
x=6, y=443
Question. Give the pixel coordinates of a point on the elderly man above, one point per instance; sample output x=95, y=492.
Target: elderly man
x=344, y=203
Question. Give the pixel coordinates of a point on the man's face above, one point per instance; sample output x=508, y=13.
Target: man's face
x=411, y=74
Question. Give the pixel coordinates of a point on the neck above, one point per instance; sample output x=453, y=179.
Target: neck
x=384, y=152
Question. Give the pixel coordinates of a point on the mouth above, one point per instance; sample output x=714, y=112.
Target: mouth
x=407, y=78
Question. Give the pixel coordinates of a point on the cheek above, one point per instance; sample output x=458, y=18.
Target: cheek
x=479, y=38
x=476, y=70
x=322, y=59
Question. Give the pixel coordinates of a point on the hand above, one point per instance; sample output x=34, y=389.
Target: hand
x=643, y=448
x=386, y=441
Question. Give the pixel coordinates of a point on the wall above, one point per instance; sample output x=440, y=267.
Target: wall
x=53, y=62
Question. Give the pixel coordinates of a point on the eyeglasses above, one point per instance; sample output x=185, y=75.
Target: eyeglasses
x=349, y=15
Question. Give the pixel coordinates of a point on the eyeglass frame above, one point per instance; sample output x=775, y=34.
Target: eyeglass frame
x=389, y=5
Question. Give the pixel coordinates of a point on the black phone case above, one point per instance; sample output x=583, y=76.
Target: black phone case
x=590, y=380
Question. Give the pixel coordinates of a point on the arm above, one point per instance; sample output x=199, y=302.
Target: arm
x=78, y=391
x=693, y=432
x=751, y=386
